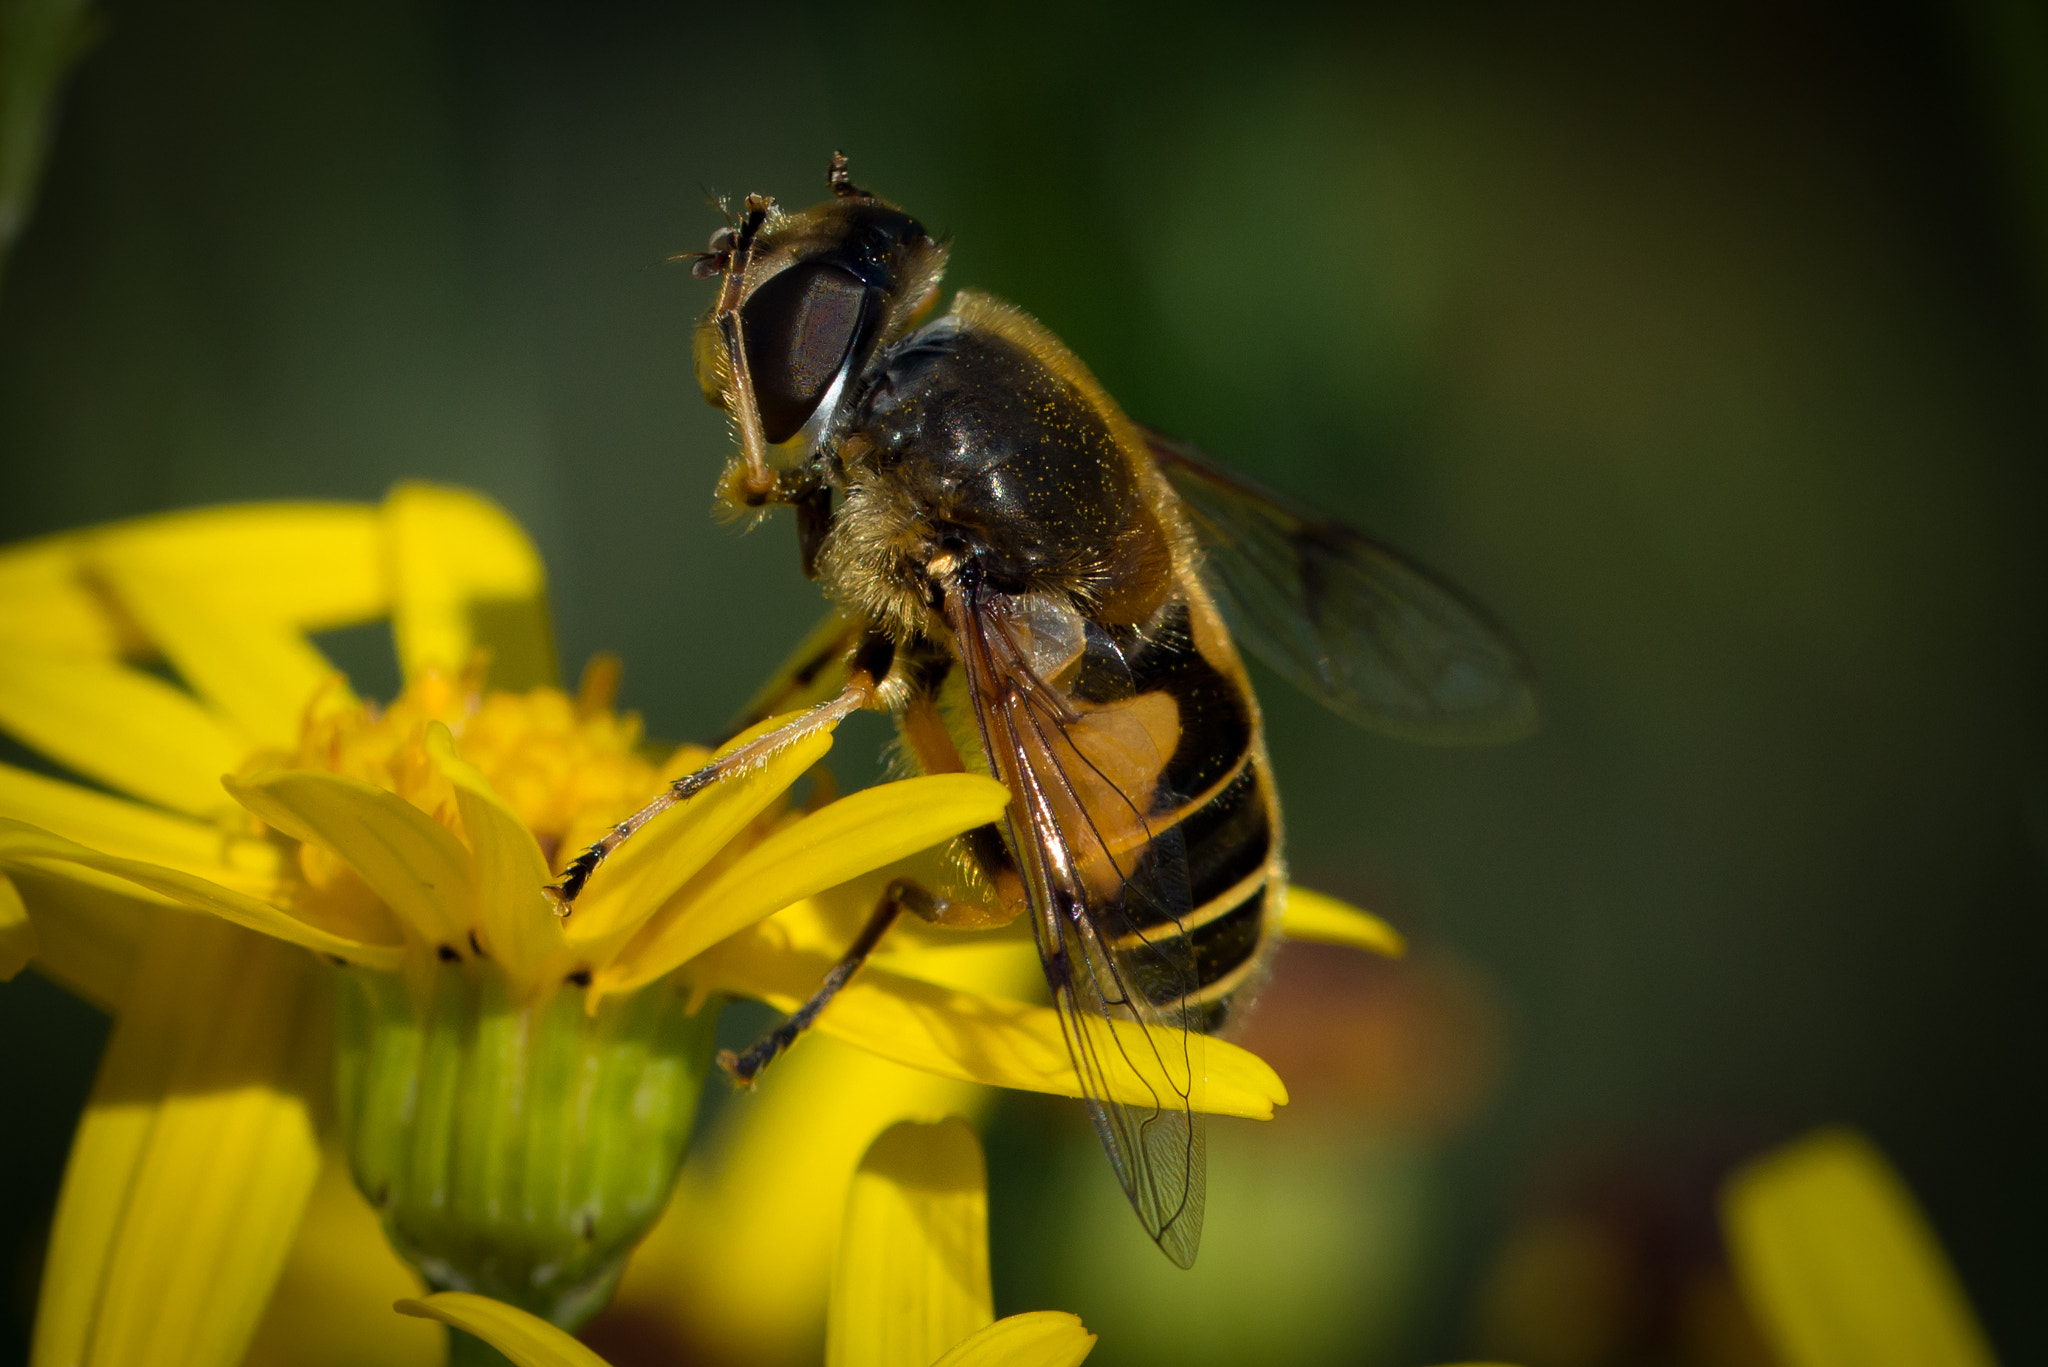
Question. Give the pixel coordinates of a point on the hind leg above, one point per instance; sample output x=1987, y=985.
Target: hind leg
x=901, y=895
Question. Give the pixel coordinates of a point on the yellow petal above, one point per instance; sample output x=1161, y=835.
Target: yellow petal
x=964, y=1035
x=514, y=918
x=527, y=1339
x=1322, y=918
x=782, y=692
x=738, y=1267
x=967, y=962
x=911, y=1279
x=260, y=674
x=634, y=883
x=193, y=1160
x=48, y=607
x=411, y=861
x=17, y=934
x=864, y=831
x=133, y=831
x=332, y=1306
x=23, y=843
x=1037, y=1338
x=313, y=565
x=310, y=565
x=120, y=726
x=89, y=935
x=465, y=577
x=1839, y=1264
x=998, y=963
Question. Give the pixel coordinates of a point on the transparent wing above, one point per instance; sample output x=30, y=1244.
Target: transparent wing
x=1108, y=888
x=1357, y=625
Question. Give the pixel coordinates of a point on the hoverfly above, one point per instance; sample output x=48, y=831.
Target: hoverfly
x=1038, y=588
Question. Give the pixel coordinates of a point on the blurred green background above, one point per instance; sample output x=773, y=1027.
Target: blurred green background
x=1704, y=343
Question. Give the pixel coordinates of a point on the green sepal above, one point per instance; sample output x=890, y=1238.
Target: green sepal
x=519, y=1151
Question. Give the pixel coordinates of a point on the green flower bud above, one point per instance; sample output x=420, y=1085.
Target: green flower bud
x=517, y=1151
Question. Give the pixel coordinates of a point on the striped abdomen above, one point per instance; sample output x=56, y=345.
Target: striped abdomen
x=1213, y=797
x=1217, y=795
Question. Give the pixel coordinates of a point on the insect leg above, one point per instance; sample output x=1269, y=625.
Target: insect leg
x=813, y=524
x=900, y=896
x=756, y=480
x=858, y=693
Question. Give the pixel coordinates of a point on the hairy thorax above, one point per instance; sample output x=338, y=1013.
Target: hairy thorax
x=967, y=448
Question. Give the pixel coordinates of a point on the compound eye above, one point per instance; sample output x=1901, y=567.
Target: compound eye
x=799, y=328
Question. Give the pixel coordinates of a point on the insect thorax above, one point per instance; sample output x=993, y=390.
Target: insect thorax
x=969, y=444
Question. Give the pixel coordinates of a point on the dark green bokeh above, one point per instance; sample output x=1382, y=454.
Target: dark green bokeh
x=1705, y=347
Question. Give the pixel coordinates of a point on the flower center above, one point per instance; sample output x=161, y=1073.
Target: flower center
x=567, y=767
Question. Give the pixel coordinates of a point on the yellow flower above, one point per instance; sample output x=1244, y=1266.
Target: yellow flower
x=739, y=1267
x=1838, y=1264
x=910, y=1275
x=411, y=842
x=910, y=1286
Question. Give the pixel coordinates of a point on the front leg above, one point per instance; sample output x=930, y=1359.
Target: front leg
x=752, y=483
x=565, y=890
x=867, y=666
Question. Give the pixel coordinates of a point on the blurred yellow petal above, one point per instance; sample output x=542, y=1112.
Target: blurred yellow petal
x=332, y=1306
x=47, y=606
x=260, y=674
x=1322, y=918
x=515, y=919
x=739, y=1265
x=305, y=564
x=194, y=1158
x=1037, y=1338
x=133, y=831
x=864, y=831
x=911, y=1279
x=527, y=1339
x=312, y=565
x=647, y=870
x=464, y=577
x=120, y=726
x=24, y=843
x=17, y=934
x=965, y=1035
x=411, y=861
x=89, y=935
x=1840, y=1266
x=782, y=691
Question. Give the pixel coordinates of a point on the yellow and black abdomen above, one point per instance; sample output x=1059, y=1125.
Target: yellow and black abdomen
x=1215, y=800
x=1213, y=816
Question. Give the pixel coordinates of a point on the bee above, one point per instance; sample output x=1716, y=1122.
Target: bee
x=1038, y=588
